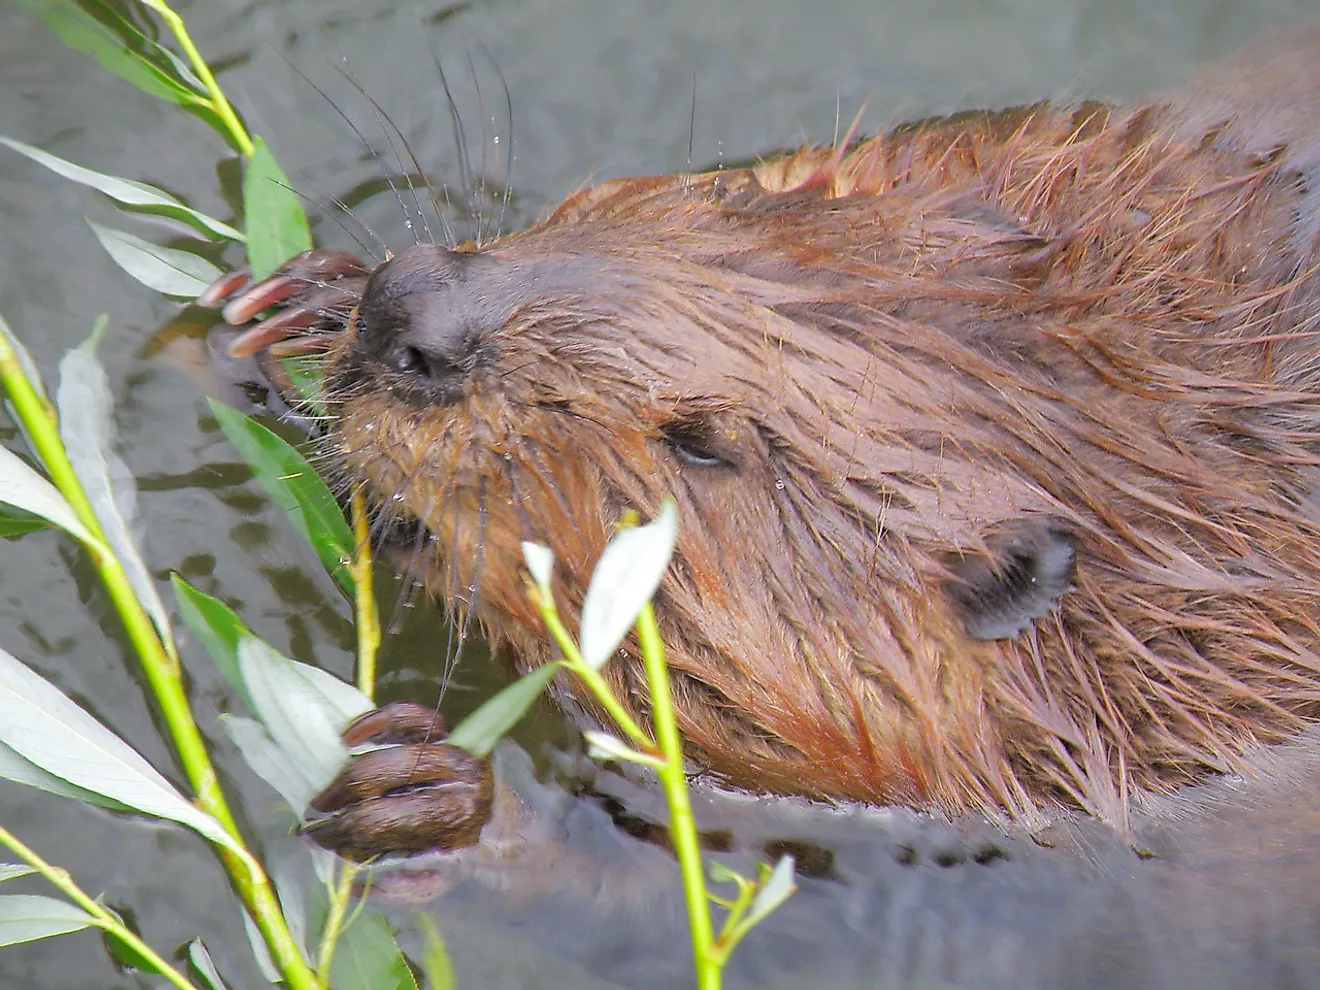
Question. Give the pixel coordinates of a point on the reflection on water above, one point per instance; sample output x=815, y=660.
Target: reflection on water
x=597, y=90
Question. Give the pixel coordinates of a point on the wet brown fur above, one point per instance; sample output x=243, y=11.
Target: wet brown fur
x=1100, y=317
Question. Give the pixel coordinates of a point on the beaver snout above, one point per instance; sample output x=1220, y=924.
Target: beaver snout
x=427, y=319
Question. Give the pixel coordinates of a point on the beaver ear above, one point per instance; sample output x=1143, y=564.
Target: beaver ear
x=1028, y=564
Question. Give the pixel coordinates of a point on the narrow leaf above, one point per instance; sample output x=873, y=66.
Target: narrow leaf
x=272, y=764
x=28, y=917
x=25, y=362
x=260, y=951
x=167, y=270
x=276, y=225
x=87, y=427
x=774, y=890
x=81, y=31
x=200, y=961
x=22, y=771
x=302, y=713
x=22, y=487
x=367, y=957
x=625, y=579
x=436, y=965
x=17, y=523
x=12, y=871
x=43, y=726
x=127, y=191
x=603, y=746
x=217, y=627
x=540, y=564
x=295, y=487
x=291, y=889
x=480, y=731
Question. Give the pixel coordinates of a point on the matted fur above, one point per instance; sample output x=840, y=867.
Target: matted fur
x=1101, y=318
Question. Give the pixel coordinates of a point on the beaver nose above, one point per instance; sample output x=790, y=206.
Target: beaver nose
x=427, y=317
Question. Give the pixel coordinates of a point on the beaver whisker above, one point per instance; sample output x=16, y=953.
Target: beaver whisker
x=478, y=190
x=362, y=141
x=387, y=126
x=507, y=181
x=560, y=408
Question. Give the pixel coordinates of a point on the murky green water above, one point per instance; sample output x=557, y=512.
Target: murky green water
x=598, y=89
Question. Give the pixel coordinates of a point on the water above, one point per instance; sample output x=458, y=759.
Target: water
x=597, y=90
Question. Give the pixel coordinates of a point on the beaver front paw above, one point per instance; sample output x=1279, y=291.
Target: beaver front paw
x=415, y=794
x=314, y=292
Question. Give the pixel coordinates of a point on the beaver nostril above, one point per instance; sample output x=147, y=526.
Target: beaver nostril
x=411, y=361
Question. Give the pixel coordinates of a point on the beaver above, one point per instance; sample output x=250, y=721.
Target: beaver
x=994, y=441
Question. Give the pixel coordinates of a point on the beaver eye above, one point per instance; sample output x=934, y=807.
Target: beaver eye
x=694, y=444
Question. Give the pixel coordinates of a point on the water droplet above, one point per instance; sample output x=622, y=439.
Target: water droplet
x=497, y=139
x=408, y=224
x=779, y=483
x=472, y=589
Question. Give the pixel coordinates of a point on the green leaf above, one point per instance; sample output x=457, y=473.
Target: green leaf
x=81, y=31
x=276, y=225
x=12, y=871
x=278, y=768
x=296, y=698
x=367, y=958
x=260, y=951
x=295, y=487
x=304, y=710
x=87, y=428
x=20, y=771
x=200, y=962
x=22, y=487
x=167, y=270
x=28, y=917
x=44, y=727
x=437, y=968
x=20, y=523
x=126, y=955
x=625, y=579
x=128, y=192
x=773, y=891
x=307, y=375
x=480, y=731
x=217, y=627
x=25, y=362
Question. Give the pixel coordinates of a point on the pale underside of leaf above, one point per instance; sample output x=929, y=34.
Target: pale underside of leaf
x=87, y=430
x=44, y=727
x=28, y=917
x=625, y=579
x=22, y=487
x=126, y=191
x=167, y=270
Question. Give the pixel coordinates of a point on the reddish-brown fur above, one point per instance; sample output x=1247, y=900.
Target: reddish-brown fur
x=1098, y=317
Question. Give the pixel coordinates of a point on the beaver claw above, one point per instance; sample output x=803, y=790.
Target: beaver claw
x=413, y=795
x=315, y=292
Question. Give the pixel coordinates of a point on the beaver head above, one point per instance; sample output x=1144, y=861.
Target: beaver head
x=992, y=441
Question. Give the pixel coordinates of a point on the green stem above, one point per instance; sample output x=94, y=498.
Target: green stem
x=161, y=666
x=682, y=823
x=237, y=133
x=102, y=918
x=596, y=684
x=340, y=898
x=364, y=598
